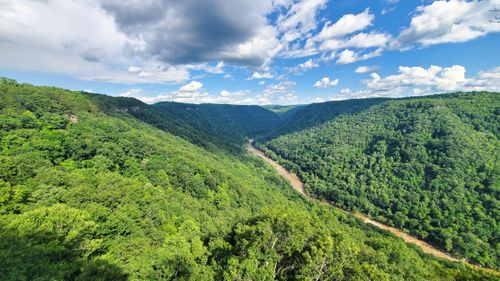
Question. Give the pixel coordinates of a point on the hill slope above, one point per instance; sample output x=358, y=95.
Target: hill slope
x=425, y=165
x=87, y=194
x=303, y=117
x=224, y=121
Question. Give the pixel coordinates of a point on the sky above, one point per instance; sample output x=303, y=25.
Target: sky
x=252, y=52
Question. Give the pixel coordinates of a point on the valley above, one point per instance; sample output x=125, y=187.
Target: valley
x=212, y=140
x=109, y=188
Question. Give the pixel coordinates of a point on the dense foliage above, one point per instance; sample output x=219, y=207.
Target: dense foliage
x=93, y=194
x=232, y=123
x=284, y=111
x=429, y=166
x=187, y=126
x=304, y=117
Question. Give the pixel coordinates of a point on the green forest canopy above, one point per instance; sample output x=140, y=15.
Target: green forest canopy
x=426, y=165
x=96, y=193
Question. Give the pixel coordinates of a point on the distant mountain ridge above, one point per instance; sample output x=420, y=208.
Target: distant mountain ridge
x=235, y=122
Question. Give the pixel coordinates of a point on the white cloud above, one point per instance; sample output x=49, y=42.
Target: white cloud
x=442, y=79
x=326, y=82
x=305, y=66
x=134, y=69
x=485, y=81
x=280, y=93
x=348, y=56
x=47, y=36
x=156, y=43
x=188, y=93
x=261, y=75
x=193, y=92
x=345, y=91
x=54, y=37
x=368, y=40
x=300, y=19
x=347, y=24
x=308, y=64
x=387, y=10
x=359, y=41
x=217, y=69
x=227, y=94
x=258, y=50
x=435, y=79
x=280, y=88
x=409, y=81
x=366, y=69
x=192, y=86
x=172, y=30
x=448, y=22
x=238, y=97
x=131, y=93
x=419, y=81
x=159, y=73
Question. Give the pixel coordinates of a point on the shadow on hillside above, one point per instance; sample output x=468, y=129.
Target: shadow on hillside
x=46, y=257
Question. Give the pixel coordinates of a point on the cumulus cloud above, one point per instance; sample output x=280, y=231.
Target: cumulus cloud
x=191, y=92
x=350, y=56
x=191, y=87
x=238, y=97
x=366, y=69
x=326, y=82
x=418, y=81
x=347, y=24
x=164, y=41
x=134, y=41
x=261, y=75
x=216, y=69
x=131, y=93
x=488, y=80
x=183, y=32
x=348, y=38
x=340, y=35
x=280, y=88
x=227, y=94
x=368, y=40
x=48, y=36
x=439, y=78
x=300, y=19
x=448, y=22
x=431, y=80
x=280, y=93
x=305, y=66
x=358, y=41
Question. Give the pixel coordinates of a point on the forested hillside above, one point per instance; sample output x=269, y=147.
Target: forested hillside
x=94, y=194
x=224, y=121
x=427, y=165
x=304, y=117
x=284, y=111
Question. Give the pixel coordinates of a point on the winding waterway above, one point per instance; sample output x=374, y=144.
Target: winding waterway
x=298, y=186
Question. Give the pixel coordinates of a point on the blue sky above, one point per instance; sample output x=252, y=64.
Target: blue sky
x=252, y=52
